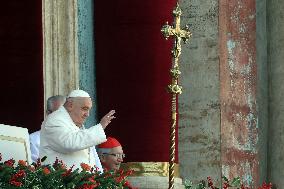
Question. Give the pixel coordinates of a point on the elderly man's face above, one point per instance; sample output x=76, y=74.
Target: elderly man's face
x=57, y=104
x=80, y=109
x=113, y=159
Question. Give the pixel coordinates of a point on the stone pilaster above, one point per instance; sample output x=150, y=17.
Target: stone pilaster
x=86, y=54
x=275, y=28
x=199, y=105
x=238, y=94
x=60, y=47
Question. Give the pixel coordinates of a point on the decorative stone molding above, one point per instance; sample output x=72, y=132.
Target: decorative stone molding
x=154, y=182
x=60, y=47
x=152, y=175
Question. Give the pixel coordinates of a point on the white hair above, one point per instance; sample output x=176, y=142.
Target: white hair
x=51, y=100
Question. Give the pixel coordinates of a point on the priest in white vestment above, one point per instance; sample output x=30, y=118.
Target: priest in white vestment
x=64, y=137
x=52, y=104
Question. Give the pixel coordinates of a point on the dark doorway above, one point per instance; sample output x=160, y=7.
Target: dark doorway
x=132, y=63
x=21, y=75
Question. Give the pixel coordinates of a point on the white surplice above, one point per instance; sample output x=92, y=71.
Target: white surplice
x=34, y=144
x=61, y=138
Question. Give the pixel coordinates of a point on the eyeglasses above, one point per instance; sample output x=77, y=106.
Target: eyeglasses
x=121, y=156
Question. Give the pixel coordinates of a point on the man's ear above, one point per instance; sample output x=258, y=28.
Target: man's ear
x=69, y=105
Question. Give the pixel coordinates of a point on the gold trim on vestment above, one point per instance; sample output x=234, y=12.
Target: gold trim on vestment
x=150, y=168
x=16, y=139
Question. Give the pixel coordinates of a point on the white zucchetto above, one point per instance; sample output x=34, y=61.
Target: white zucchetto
x=78, y=93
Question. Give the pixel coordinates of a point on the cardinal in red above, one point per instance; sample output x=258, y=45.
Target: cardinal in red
x=111, y=156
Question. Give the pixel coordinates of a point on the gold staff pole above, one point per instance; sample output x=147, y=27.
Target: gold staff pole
x=174, y=88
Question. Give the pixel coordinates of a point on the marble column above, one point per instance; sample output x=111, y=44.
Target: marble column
x=223, y=108
x=240, y=153
x=60, y=47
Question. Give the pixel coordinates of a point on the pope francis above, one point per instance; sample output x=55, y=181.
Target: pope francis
x=63, y=135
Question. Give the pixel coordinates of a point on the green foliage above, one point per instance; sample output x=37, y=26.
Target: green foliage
x=58, y=176
x=236, y=182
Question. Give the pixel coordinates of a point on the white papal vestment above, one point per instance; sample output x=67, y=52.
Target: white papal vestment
x=61, y=138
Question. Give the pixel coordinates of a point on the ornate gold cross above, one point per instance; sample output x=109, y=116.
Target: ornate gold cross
x=178, y=35
x=174, y=88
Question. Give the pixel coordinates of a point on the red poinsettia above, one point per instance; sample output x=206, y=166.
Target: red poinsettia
x=10, y=162
x=16, y=177
x=47, y=176
x=265, y=186
x=46, y=171
x=22, y=163
x=85, y=167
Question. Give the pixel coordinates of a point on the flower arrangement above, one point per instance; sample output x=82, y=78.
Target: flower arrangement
x=21, y=175
x=235, y=183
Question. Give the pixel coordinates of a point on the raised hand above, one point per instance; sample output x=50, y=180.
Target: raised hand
x=107, y=119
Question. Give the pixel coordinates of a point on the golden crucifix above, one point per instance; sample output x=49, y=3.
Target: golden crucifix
x=174, y=88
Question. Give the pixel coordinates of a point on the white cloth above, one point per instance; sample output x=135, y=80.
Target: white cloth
x=61, y=138
x=34, y=145
x=97, y=159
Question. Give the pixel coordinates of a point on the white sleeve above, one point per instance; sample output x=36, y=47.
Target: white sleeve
x=67, y=139
x=97, y=159
x=34, y=145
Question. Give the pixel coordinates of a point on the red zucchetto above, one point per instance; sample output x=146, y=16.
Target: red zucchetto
x=110, y=143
